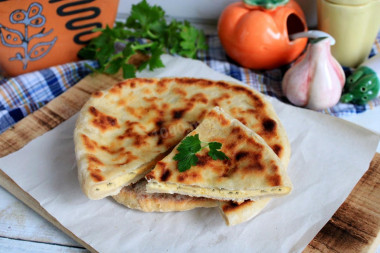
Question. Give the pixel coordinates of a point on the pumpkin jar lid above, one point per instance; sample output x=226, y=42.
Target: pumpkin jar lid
x=350, y=2
x=264, y=4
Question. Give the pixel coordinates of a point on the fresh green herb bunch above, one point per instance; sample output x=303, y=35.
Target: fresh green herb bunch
x=190, y=146
x=145, y=31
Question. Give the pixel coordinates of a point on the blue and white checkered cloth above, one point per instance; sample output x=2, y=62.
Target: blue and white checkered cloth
x=24, y=94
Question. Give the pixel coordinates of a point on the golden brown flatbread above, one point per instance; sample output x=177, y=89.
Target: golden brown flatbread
x=253, y=170
x=121, y=132
x=135, y=196
x=235, y=213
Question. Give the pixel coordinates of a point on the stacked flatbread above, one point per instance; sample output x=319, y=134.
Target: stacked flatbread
x=123, y=132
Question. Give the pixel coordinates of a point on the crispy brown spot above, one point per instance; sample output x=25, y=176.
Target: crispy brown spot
x=255, y=163
x=97, y=94
x=111, y=151
x=112, y=121
x=162, y=85
x=165, y=176
x=130, y=132
x=212, y=114
x=274, y=180
x=194, y=124
x=269, y=125
x=275, y=168
x=161, y=137
x=251, y=111
x=150, y=99
x=255, y=167
x=203, y=160
x=199, y=98
x=88, y=143
x=159, y=123
x=258, y=102
x=122, y=102
x=236, y=130
x=218, y=100
x=202, y=115
x=188, y=176
x=231, y=206
x=102, y=121
x=240, y=155
x=122, y=155
x=187, y=80
x=177, y=114
x=132, y=111
x=179, y=91
x=139, y=140
x=257, y=145
x=95, y=173
x=161, y=132
x=180, y=178
x=258, y=156
x=116, y=89
x=277, y=149
x=153, y=133
x=93, y=111
x=97, y=176
x=132, y=84
x=242, y=120
x=223, y=120
x=229, y=170
x=93, y=159
x=144, y=80
x=231, y=146
x=129, y=159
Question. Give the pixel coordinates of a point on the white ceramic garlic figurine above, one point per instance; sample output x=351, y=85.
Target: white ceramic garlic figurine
x=316, y=79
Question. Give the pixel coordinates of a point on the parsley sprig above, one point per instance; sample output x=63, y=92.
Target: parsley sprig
x=191, y=145
x=145, y=31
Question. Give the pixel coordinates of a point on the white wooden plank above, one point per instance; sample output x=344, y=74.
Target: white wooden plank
x=20, y=222
x=17, y=246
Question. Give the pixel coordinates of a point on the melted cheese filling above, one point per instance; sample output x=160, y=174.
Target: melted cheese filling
x=116, y=184
x=216, y=193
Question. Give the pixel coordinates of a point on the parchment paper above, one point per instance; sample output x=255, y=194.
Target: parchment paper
x=329, y=156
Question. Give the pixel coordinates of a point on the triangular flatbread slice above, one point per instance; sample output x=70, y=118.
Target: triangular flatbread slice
x=253, y=171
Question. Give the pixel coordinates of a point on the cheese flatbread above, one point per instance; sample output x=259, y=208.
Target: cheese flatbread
x=121, y=132
x=253, y=171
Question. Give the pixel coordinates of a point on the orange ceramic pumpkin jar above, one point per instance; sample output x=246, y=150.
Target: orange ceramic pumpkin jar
x=43, y=33
x=255, y=33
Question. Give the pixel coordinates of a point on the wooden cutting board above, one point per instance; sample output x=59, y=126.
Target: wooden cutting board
x=353, y=228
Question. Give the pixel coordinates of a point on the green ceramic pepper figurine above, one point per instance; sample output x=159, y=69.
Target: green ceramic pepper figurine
x=363, y=85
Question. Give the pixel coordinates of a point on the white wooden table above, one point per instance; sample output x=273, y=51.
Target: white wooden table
x=23, y=230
